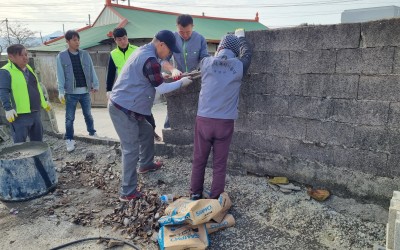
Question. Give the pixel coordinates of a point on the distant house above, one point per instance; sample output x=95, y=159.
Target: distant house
x=370, y=14
x=141, y=25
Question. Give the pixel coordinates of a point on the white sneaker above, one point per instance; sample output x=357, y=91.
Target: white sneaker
x=95, y=135
x=70, y=145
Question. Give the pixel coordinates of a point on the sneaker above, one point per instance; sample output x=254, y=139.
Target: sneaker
x=70, y=145
x=134, y=196
x=155, y=166
x=95, y=135
x=195, y=197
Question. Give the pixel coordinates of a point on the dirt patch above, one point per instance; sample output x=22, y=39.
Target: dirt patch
x=85, y=204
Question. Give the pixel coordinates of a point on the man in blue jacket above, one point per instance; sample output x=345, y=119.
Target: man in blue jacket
x=76, y=79
x=193, y=47
x=221, y=78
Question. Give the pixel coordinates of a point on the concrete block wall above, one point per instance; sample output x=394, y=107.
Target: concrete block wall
x=320, y=105
x=393, y=225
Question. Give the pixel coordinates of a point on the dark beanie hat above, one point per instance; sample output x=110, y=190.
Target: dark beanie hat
x=230, y=42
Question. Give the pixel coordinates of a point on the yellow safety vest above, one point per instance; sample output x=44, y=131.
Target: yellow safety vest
x=19, y=89
x=120, y=58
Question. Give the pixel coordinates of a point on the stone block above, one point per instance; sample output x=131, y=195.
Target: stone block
x=314, y=152
x=276, y=62
x=396, y=240
x=396, y=63
x=178, y=137
x=393, y=140
x=332, y=133
x=251, y=121
x=182, y=120
x=286, y=127
x=326, y=85
x=256, y=83
x=381, y=33
x=349, y=61
x=384, y=88
x=182, y=110
x=267, y=104
x=161, y=149
x=334, y=36
x=241, y=140
x=285, y=84
x=393, y=210
x=361, y=160
x=365, y=60
x=256, y=39
x=374, y=113
x=371, y=138
x=310, y=107
x=393, y=163
x=273, y=84
x=271, y=144
x=312, y=61
x=394, y=114
x=283, y=39
x=263, y=163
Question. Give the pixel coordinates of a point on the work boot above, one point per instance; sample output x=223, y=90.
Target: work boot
x=136, y=195
x=153, y=167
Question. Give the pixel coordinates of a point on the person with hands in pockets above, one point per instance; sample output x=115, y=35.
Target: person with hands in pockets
x=22, y=96
x=221, y=78
x=131, y=99
x=76, y=79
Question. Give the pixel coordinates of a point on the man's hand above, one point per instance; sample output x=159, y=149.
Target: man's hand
x=176, y=74
x=48, y=108
x=239, y=32
x=61, y=98
x=11, y=115
x=93, y=90
x=108, y=94
x=186, y=81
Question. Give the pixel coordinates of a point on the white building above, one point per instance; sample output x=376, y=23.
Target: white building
x=370, y=14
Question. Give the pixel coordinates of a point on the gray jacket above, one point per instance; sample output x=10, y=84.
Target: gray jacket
x=65, y=73
x=193, y=51
x=132, y=90
x=221, y=78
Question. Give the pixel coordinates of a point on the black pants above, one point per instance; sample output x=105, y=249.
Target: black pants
x=150, y=119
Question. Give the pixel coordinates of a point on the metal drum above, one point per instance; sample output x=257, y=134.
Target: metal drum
x=27, y=171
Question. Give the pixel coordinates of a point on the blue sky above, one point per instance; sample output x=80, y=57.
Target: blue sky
x=49, y=16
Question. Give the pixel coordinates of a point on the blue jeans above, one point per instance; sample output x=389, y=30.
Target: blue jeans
x=71, y=100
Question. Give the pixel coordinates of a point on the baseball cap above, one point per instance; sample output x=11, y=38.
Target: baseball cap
x=168, y=38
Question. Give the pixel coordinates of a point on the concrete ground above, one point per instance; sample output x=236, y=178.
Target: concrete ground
x=102, y=120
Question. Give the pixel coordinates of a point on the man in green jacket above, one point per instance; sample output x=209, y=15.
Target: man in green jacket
x=118, y=57
x=22, y=96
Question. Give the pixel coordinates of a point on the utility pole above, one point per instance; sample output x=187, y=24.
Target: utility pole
x=63, y=30
x=89, y=21
x=8, y=32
